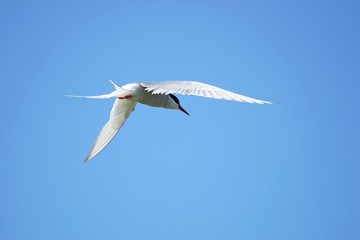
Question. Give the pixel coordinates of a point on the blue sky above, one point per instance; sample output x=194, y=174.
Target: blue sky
x=230, y=170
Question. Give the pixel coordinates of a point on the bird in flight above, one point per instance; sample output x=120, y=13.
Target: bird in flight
x=155, y=94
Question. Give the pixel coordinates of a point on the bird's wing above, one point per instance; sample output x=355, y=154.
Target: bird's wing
x=119, y=113
x=198, y=89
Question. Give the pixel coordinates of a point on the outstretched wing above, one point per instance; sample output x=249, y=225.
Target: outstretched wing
x=198, y=89
x=119, y=113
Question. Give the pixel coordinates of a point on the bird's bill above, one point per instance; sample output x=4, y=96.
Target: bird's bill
x=183, y=110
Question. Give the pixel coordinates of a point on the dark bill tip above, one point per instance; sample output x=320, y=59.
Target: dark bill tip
x=183, y=110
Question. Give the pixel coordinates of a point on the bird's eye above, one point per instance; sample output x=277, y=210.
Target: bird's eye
x=174, y=98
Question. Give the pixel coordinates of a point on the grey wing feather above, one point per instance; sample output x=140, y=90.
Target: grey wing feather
x=119, y=113
x=198, y=89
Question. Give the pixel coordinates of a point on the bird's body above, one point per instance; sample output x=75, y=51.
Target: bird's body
x=155, y=95
x=139, y=94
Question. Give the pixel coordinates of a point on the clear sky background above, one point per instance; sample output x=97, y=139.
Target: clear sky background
x=229, y=171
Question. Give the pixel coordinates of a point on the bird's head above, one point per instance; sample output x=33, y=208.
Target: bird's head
x=176, y=104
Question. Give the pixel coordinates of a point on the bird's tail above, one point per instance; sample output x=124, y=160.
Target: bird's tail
x=104, y=96
x=118, y=92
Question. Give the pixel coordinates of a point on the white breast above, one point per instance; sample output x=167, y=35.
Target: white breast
x=146, y=97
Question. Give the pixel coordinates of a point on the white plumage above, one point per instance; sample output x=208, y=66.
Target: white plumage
x=156, y=94
x=197, y=89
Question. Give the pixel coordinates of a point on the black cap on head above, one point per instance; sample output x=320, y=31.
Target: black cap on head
x=178, y=103
x=174, y=98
